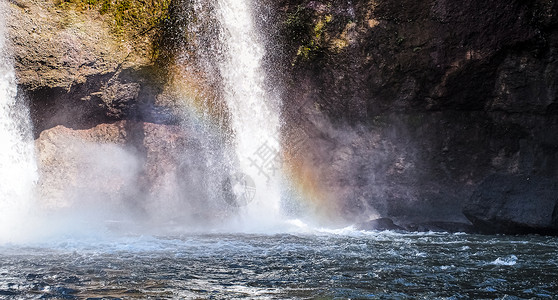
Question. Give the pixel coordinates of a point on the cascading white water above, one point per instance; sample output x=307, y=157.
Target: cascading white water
x=18, y=170
x=254, y=113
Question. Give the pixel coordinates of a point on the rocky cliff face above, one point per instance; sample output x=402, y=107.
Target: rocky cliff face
x=418, y=105
x=435, y=114
x=105, y=111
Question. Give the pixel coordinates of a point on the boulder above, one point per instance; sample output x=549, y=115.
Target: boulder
x=379, y=225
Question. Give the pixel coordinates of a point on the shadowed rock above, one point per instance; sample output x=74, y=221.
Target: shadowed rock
x=379, y=225
x=515, y=204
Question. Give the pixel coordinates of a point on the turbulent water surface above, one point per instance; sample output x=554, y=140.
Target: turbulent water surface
x=331, y=265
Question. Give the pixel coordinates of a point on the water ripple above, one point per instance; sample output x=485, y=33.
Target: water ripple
x=330, y=265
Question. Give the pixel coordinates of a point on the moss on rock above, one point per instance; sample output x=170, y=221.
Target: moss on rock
x=126, y=17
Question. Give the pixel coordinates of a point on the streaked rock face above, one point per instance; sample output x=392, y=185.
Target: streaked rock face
x=409, y=106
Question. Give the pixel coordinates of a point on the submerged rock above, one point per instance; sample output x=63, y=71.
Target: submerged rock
x=379, y=224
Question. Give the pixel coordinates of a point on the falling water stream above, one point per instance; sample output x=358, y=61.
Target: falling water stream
x=254, y=113
x=18, y=171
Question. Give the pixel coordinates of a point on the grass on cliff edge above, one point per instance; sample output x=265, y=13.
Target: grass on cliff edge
x=127, y=17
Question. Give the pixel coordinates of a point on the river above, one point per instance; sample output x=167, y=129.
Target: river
x=325, y=264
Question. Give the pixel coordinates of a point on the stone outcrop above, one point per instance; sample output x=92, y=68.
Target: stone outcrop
x=59, y=48
x=77, y=71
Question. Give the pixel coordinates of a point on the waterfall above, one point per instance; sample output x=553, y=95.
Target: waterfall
x=254, y=113
x=18, y=171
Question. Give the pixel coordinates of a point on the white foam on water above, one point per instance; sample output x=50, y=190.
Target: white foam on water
x=18, y=169
x=505, y=261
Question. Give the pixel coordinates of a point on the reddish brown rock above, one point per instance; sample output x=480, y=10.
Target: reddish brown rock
x=107, y=163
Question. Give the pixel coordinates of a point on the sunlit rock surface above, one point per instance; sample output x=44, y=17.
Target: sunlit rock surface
x=124, y=166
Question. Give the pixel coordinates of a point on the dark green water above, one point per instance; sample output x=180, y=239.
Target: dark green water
x=302, y=266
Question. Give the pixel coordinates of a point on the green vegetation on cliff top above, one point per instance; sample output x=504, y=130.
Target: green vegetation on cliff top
x=133, y=17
